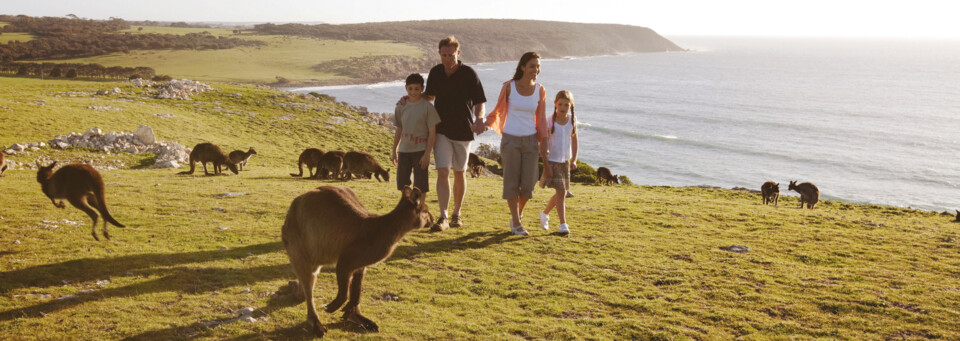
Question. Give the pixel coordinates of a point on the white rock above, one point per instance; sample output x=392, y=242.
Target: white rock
x=245, y=291
x=223, y=248
x=230, y=194
x=103, y=282
x=117, y=91
x=66, y=297
x=145, y=134
x=248, y=319
x=92, y=132
x=88, y=291
x=41, y=144
x=16, y=147
x=223, y=228
x=166, y=164
x=44, y=296
x=62, y=145
x=16, y=242
x=245, y=311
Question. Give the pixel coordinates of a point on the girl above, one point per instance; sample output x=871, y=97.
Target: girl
x=520, y=116
x=562, y=156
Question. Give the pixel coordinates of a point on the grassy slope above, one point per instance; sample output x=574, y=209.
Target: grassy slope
x=7, y=37
x=288, y=57
x=642, y=262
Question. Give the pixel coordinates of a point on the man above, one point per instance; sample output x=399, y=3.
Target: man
x=458, y=97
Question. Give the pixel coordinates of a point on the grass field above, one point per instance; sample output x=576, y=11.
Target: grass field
x=7, y=37
x=288, y=57
x=642, y=262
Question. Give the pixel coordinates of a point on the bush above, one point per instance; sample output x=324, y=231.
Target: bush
x=162, y=78
x=584, y=173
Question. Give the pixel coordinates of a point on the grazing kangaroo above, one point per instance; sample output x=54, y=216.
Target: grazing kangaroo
x=604, y=176
x=329, y=225
x=770, y=192
x=3, y=163
x=958, y=216
x=311, y=158
x=475, y=165
x=240, y=158
x=809, y=193
x=82, y=186
x=361, y=164
x=209, y=152
x=330, y=163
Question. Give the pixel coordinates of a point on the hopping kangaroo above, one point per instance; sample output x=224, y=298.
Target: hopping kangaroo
x=209, y=152
x=475, y=165
x=809, y=193
x=240, y=158
x=605, y=177
x=82, y=186
x=311, y=158
x=330, y=163
x=362, y=164
x=770, y=192
x=327, y=226
x=3, y=163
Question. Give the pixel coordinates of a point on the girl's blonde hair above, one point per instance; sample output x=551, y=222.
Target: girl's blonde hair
x=567, y=95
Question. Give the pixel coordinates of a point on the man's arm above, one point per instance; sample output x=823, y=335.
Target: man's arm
x=479, y=111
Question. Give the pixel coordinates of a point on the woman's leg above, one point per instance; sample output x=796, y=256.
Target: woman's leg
x=514, y=210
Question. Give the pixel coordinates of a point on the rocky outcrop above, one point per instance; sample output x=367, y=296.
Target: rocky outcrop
x=169, y=154
x=180, y=89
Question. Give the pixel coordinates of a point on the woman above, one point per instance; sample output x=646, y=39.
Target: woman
x=520, y=117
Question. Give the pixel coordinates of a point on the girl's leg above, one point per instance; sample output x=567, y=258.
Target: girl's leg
x=561, y=209
x=553, y=201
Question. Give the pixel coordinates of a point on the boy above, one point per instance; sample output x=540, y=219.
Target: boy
x=416, y=122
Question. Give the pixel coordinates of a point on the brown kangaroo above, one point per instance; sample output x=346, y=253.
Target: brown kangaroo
x=3, y=163
x=331, y=163
x=240, y=157
x=329, y=225
x=809, y=193
x=361, y=164
x=82, y=186
x=475, y=165
x=604, y=176
x=209, y=152
x=311, y=158
x=958, y=216
x=770, y=191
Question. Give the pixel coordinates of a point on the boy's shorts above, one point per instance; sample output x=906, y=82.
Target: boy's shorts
x=451, y=154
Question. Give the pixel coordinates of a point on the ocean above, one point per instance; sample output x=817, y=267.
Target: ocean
x=872, y=121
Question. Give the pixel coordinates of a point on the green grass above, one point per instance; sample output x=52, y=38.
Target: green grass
x=290, y=57
x=7, y=37
x=642, y=262
x=176, y=30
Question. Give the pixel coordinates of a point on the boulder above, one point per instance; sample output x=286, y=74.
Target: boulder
x=145, y=134
x=166, y=164
x=92, y=132
x=17, y=147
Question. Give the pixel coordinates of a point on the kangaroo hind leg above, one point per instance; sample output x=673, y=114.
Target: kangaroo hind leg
x=80, y=202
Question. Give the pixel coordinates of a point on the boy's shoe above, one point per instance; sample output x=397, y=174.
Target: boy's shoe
x=518, y=230
x=545, y=221
x=455, y=221
x=564, y=229
x=569, y=194
x=441, y=225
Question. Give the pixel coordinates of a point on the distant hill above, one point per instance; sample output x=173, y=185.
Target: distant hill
x=489, y=40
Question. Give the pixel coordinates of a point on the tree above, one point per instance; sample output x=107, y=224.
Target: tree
x=72, y=73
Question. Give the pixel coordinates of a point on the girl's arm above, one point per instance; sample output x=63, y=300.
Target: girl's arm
x=431, y=139
x=396, y=143
x=573, y=145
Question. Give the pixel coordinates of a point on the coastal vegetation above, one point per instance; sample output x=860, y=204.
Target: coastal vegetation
x=642, y=262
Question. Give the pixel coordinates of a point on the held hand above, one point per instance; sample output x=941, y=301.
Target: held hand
x=425, y=161
x=547, y=171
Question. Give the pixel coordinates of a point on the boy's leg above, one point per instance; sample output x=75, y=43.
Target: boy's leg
x=404, y=166
x=420, y=175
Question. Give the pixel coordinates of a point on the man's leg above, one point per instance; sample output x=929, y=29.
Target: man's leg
x=459, y=188
x=443, y=190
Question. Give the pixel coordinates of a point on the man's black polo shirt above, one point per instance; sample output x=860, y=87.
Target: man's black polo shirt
x=455, y=97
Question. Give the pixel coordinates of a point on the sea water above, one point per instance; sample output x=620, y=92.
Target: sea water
x=867, y=120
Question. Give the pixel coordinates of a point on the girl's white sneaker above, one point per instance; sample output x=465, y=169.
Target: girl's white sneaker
x=564, y=229
x=545, y=221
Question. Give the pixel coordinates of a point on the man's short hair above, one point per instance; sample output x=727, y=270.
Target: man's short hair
x=415, y=78
x=449, y=41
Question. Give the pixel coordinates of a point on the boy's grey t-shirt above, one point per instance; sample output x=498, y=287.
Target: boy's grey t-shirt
x=414, y=121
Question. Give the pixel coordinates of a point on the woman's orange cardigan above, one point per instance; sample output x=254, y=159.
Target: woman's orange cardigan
x=498, y=117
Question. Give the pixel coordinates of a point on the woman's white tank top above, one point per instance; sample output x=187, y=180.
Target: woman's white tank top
x=521, y=112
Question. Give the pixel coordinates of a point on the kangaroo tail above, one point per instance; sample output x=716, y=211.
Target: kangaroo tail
x=192, y=166
x=300, y=166
x=102, y=205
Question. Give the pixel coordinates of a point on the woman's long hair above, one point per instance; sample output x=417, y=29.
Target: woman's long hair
x=564, y=94
x=523, y=61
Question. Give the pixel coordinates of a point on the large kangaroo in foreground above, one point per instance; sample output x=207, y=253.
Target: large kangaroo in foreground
x=3, y=163
x=311, y=158
x=82, y=186
x=209, y=152
x=328, y=225
x=809, y=193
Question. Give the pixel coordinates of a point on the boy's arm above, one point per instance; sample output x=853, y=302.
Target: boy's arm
x=396, y=144
x=431, y=139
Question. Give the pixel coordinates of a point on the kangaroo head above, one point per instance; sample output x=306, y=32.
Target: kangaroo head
x=418, y=201
x=386, y=175
x=776, y=187
x=44, y=173
x=793, y=186
x=232, y=166
x=251, y=151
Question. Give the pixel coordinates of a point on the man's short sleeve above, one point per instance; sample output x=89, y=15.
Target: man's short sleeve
x=432, y=79
x=478, y=96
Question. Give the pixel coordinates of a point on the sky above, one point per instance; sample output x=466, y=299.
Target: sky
x=816, y=18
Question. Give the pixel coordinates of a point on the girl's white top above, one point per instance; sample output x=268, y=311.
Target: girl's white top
x=561, y=144
x=521, y=112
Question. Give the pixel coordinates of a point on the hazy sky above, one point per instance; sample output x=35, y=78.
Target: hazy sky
x=917, y=18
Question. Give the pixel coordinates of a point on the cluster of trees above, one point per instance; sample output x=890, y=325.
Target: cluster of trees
x=72, y=38
x=73, y=70
x=488, y=40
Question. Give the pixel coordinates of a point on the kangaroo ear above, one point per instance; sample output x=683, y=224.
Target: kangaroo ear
x=52, y=164
x=406, y=191
x=38, y=164
x=415, y=196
